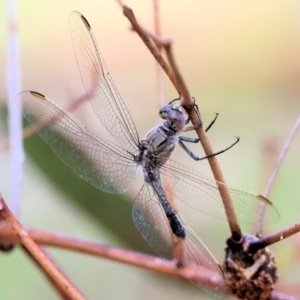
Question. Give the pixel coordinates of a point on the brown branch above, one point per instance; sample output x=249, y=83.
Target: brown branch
x=42, y=260
x=113, y=253
x=274, y=238
x=187, y=102
x=62, y=293
x=120, y=3
x=128, y=13
x=275, y=172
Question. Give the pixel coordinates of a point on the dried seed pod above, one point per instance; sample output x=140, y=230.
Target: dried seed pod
x=249, y=276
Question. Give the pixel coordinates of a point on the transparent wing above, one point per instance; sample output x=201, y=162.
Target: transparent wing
x=196, y=262
x=201, y=193
x=99, y=162
x=104, y=96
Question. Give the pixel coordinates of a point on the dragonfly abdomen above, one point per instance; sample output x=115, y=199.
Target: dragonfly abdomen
x=176, y=226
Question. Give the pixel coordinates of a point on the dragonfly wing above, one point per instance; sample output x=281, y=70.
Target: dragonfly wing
x=149, y=218
x=103, y=94
x=202, y=193
x=197, y=263
x=200, y=261
x=99, y=162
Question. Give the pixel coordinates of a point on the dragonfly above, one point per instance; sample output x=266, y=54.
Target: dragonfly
x=112, y=167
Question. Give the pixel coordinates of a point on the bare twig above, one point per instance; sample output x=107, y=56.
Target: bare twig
x=275, y=171
x=34, y=250
x=113, y=253
x=120, y=3
x=274, y=238
x=61, y=291
x=128, y=13
x=187, y=102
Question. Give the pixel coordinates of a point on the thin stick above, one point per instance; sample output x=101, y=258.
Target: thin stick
x=62, y=293
x=188, y=104
x=120, y=3
x=273, y=238
x=113, y=253
x=34, y=250
x=128, y=13
x=110, y=252
x=275, y=172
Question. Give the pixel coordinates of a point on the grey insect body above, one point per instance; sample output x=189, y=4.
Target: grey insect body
x=155, y=150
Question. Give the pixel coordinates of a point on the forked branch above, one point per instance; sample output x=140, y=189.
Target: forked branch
x=133, y=258
x=113, y=253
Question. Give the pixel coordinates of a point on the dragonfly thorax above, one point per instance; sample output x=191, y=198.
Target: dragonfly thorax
x=159, y=143
x=155, y=149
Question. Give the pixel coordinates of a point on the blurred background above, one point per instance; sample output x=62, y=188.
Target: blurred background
x=240, y=59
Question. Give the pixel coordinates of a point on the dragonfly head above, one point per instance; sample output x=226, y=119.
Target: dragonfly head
x=173, y=114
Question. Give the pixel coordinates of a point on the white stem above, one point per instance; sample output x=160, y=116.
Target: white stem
x=14, y=108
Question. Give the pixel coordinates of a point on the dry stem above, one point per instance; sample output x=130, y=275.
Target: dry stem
x=109, y=252
x=275, y=171
x=62, y=293
x=42, y=260
x=101, y=250
x=274, y=238
x=128, y=13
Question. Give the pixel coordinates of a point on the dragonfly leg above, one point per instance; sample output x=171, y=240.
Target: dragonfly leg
x=195, y=157
x=200, y=125
x=176, y=99
x=195, y=140
x=195, y=106
x=188, y=139
x=212, y=122
x=193, y=127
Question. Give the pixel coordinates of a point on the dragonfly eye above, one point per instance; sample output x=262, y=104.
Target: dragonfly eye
x=164, y=111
